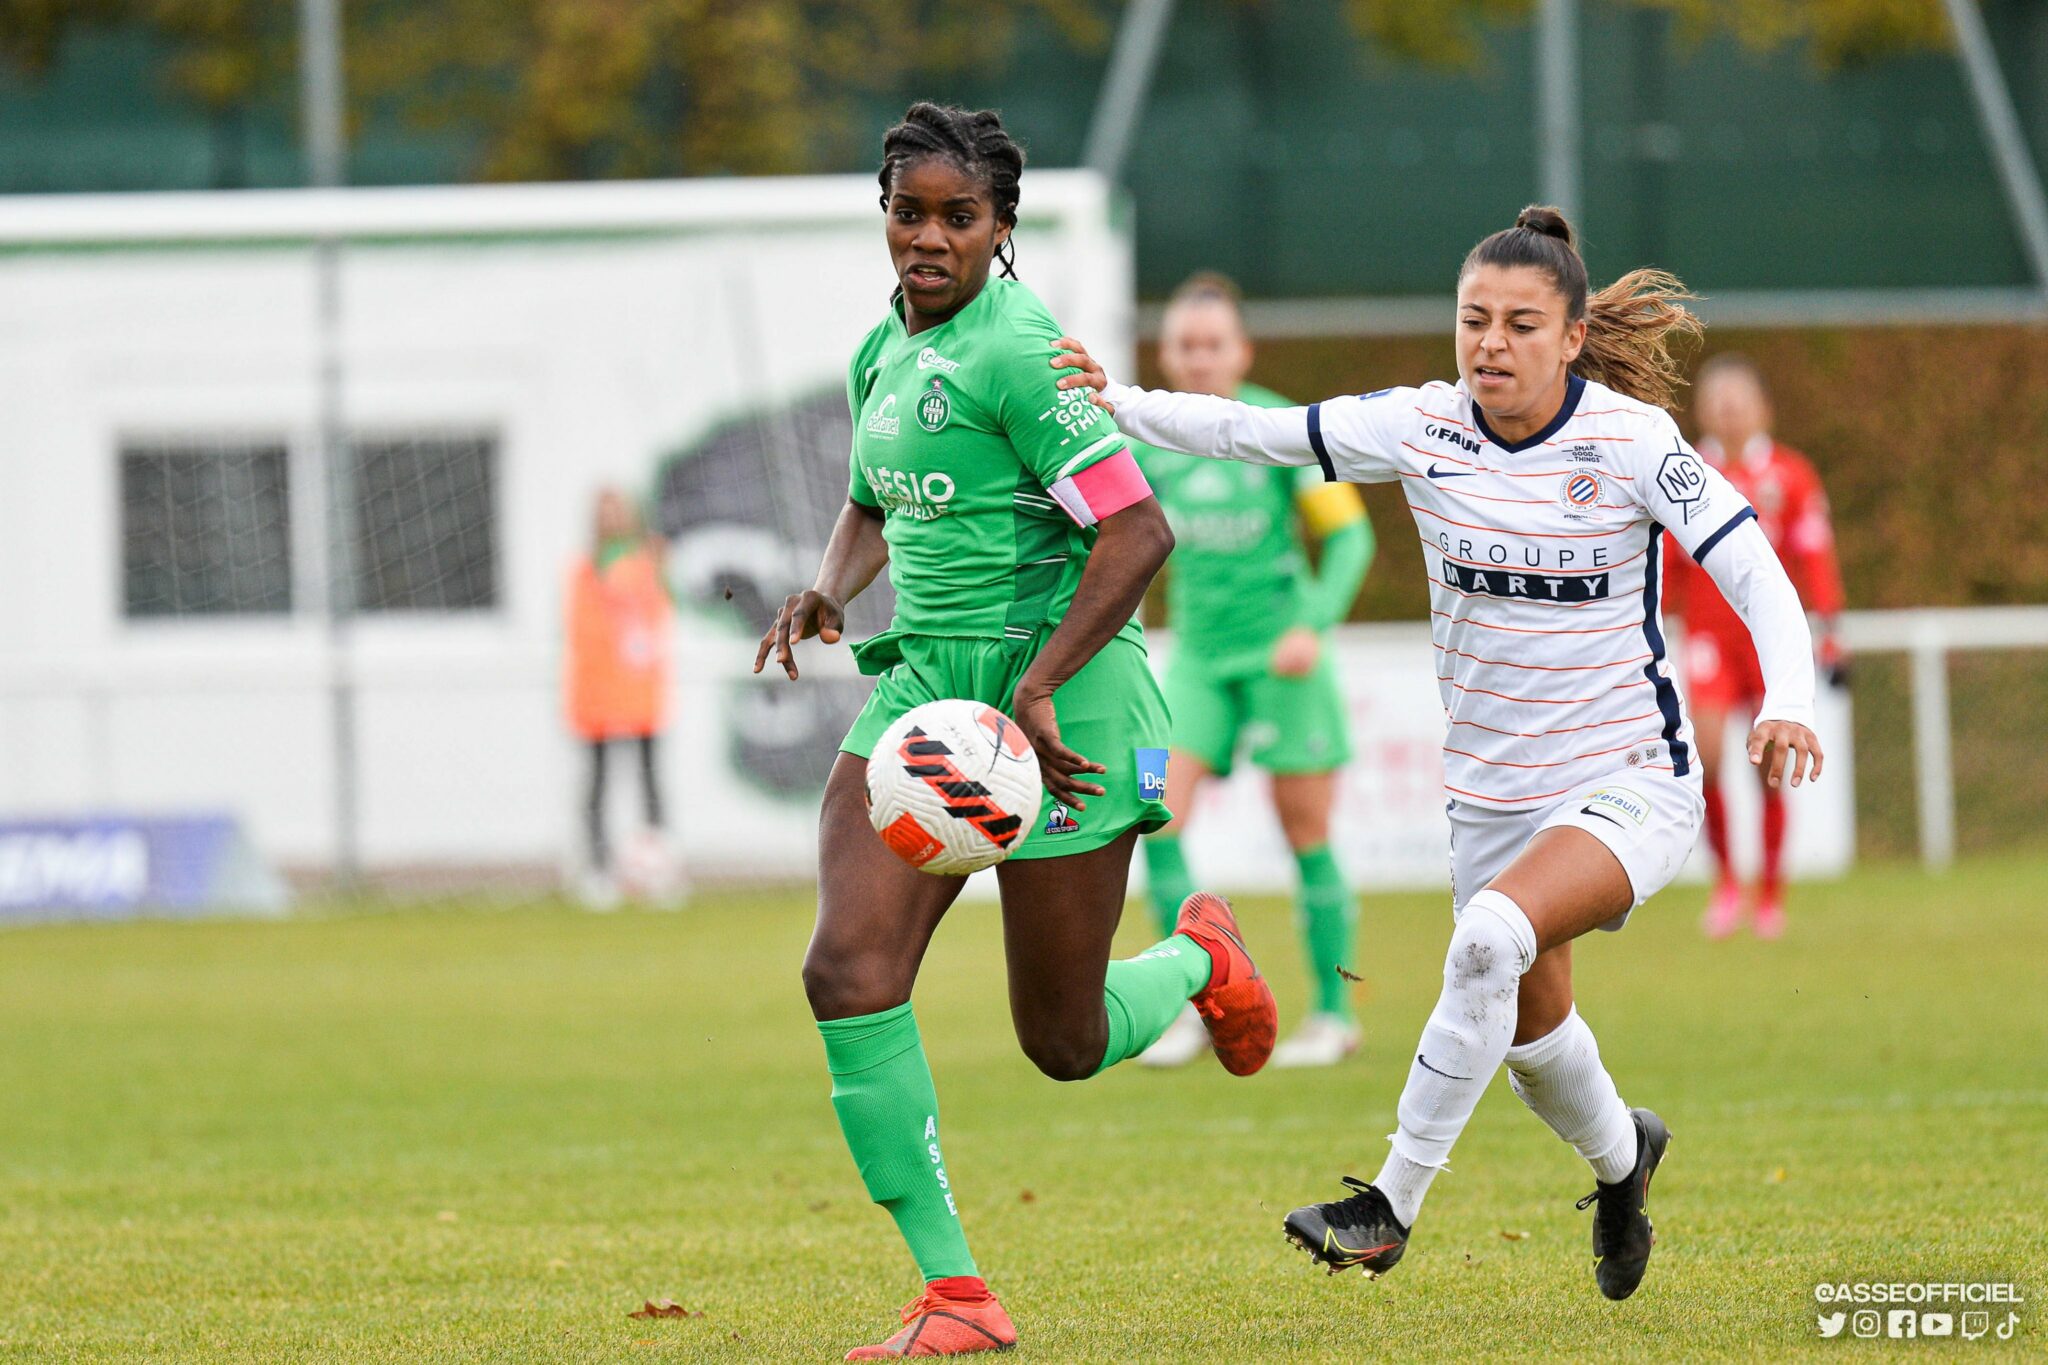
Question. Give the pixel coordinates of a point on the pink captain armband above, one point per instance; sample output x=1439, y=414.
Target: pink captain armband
x=1102, y=489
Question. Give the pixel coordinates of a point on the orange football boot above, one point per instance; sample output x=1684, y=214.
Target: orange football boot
x=1237, y=1004
x=934, y=1325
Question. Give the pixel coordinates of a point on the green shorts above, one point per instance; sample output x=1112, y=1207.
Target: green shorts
x=1111, y=712
x=1290, y=725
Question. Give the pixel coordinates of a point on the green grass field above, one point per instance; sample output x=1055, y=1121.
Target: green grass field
x=487, y=1134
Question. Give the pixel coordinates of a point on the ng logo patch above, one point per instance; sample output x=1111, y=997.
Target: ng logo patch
x=1683, y=482
x=1151, y=774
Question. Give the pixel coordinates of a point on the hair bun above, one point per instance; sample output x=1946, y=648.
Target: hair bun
x=1546, y=220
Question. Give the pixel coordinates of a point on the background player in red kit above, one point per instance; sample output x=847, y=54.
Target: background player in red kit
x=1721, y=673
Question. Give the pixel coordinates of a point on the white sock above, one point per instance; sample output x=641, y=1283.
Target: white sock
x=1560, y=1078
x=1463, y=1044
x=1404, y=1182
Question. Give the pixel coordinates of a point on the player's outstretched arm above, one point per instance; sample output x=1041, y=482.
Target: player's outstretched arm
x=854, y=555
x=1192, y=423
x=1131, y=545
x=1717, y=527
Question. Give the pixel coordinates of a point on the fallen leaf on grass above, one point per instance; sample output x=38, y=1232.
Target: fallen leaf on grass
x=667, y=1308
x=1026, y=1197
x=1514, y=1235
x=1353, y=977
x=1776, y=1177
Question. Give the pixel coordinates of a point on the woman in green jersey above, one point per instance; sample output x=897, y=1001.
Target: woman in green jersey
x=1019, y=536
x=1251, y=659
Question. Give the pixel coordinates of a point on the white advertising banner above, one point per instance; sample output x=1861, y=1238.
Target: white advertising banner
x=1389, y=829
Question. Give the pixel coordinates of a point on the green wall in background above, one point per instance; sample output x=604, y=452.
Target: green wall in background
x=1280, y=148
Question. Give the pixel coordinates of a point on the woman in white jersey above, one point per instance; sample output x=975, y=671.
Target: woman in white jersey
x=1541, y=483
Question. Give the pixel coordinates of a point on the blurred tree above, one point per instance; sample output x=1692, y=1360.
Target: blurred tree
x=584, y=88
x=576, y=89
x=1443, y=33
x=220, y=50
x=572, y=89
x=1837, y=32
x=220, y=54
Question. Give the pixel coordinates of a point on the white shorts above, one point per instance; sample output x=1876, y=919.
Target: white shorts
x=1649, y=820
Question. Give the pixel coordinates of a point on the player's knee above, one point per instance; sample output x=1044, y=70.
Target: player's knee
x=1493, y=945
x=846, y=986
x=1063, y=1056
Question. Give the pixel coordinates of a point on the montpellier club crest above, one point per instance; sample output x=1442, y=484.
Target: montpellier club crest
x=1580, y=489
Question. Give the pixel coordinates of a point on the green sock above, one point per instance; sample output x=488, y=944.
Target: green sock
x=1168, y=878
x=1329, y=917
x=1143, y=994
x=882, y=1090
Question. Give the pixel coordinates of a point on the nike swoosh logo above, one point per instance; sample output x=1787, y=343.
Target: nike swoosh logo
x=1436, y=473
x=1588, y=810
x=1330, y=1243
x=1445, y=1074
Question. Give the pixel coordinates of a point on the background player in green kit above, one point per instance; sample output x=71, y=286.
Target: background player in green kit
x=1251, y=666
x=1020, y=536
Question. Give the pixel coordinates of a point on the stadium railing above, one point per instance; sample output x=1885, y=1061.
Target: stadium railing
x=1928, y=636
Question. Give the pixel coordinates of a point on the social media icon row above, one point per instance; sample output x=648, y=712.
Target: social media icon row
x=1908, y=1322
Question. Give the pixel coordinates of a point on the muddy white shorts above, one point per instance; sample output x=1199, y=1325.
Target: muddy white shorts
x=1649, y=820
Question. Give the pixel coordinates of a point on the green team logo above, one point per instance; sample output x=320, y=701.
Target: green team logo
x=934, y=408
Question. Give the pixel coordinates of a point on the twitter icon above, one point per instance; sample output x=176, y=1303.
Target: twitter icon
x=1831, y=1324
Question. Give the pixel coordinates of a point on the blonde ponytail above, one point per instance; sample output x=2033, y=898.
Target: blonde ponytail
x=1631, y=327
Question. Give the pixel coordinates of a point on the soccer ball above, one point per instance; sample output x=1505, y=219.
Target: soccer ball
x=953, y=787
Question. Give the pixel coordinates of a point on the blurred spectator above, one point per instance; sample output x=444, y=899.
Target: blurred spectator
x=616, y=683
x=1721, y=672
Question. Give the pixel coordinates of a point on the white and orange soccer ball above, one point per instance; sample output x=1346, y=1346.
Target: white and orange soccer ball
x=953, y=787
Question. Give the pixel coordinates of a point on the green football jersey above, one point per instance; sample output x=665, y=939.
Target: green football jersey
x=1235, y=582
x=958, y=434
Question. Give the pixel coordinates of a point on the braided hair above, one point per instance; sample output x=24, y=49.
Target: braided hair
x=976, y=142
x=1630, y=325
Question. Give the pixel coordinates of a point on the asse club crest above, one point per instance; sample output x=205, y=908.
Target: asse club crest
x=933, y=407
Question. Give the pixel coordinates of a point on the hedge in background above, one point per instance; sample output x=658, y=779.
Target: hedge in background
x=1933, y=442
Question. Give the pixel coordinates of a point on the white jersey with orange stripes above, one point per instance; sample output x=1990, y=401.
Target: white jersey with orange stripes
x=1543, y=559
